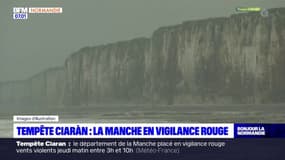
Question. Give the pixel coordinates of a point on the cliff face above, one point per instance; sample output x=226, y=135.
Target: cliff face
x=14, y=92
x=223, y=60
x=47, y=87
x=43, y=89
x=107, y=74
x=240, y=59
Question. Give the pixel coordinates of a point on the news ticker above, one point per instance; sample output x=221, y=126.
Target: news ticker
x=141, y=149
x=148, y=130
x=21, y=13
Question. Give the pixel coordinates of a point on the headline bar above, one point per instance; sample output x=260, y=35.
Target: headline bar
x=131, y=130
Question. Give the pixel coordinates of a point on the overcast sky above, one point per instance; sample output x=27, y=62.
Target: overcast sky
x=30, y=46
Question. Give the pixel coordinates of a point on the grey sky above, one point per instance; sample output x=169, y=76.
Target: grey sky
x=43, y=41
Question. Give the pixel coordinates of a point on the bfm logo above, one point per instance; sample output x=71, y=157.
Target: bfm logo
x=20, y=13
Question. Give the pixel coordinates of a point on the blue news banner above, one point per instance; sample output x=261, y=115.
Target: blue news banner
x=145, y=141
